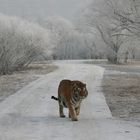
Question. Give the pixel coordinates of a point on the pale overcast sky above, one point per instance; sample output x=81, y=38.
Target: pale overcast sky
x=41, y=8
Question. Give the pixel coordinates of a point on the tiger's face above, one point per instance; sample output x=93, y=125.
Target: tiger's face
x=80, y=90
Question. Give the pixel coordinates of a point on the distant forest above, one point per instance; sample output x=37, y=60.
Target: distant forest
x=103, y=29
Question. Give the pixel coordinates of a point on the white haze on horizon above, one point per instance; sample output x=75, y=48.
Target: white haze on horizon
x=41, y=8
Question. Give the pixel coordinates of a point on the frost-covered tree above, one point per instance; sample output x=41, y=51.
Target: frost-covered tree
x=20, y=43
x=115, y=22
x=67, y=41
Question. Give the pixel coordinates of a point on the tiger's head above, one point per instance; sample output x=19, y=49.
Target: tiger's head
x=80, y=89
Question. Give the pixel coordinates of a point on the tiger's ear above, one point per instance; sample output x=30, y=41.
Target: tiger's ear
x=84, y=85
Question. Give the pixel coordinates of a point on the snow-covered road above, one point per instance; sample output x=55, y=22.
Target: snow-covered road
x=30, y=114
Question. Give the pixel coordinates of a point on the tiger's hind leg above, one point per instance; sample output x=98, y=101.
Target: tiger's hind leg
x=61, y=113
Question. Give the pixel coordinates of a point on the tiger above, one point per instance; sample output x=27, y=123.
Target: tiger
x=70, y=95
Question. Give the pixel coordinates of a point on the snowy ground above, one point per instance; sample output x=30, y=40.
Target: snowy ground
x=30, y=114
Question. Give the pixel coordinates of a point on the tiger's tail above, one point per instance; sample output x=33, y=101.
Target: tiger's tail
x=54, y=98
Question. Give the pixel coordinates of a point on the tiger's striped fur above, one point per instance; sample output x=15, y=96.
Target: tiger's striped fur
x=70, y=95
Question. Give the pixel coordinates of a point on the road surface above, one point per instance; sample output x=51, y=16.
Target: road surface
x=30, y=114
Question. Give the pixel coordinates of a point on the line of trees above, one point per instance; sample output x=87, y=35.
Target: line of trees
x=118, y=22
x=68, y=42
x=20, y=43
x=105, y=29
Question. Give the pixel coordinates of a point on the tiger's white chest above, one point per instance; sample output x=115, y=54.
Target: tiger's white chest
x=75, y=102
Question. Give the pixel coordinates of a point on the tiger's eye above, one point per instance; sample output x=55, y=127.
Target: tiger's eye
x=79, y=89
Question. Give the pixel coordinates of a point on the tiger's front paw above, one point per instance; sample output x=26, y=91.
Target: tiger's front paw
x=74, y=119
